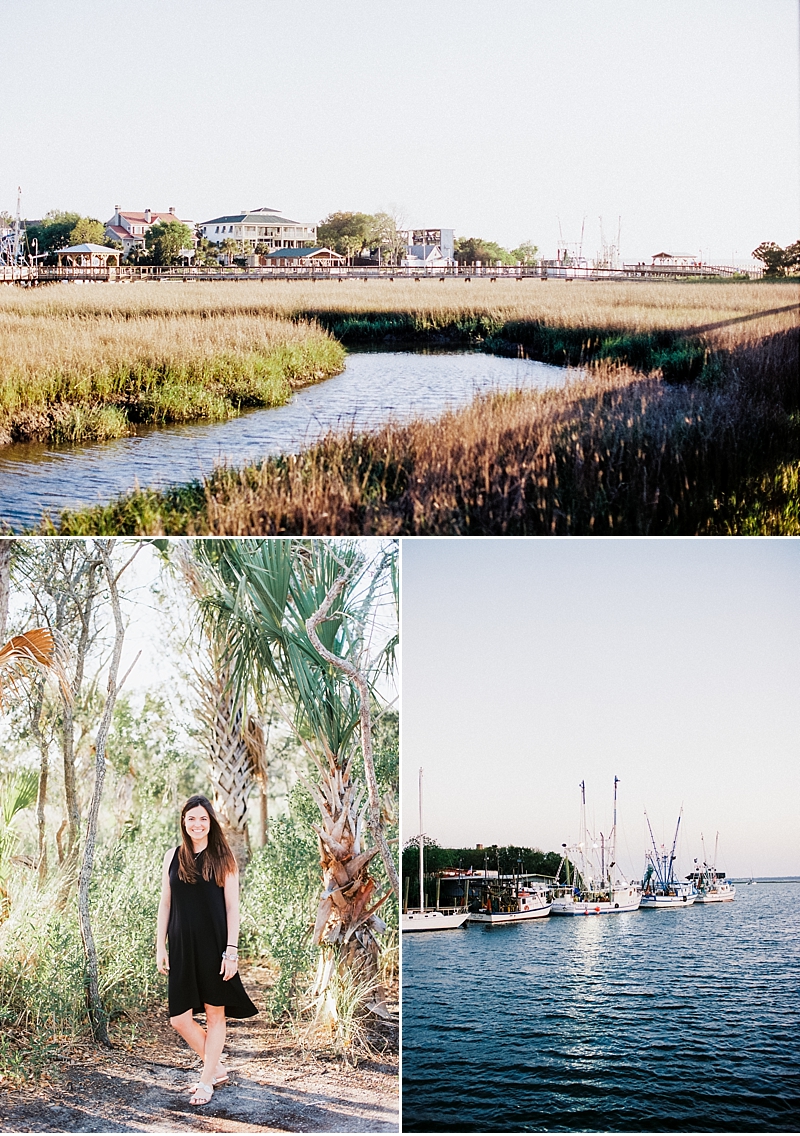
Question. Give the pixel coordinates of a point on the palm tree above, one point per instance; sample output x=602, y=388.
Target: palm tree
x=294, y=615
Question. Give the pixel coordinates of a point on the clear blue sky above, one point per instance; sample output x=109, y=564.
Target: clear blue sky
x=494, y=117
x=530, y=665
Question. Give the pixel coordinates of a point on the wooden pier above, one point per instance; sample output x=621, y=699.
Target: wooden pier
x=33, y=275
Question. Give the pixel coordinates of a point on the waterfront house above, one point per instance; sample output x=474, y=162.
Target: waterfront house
x=265, y=226
x=130, y=228
x=429, y=248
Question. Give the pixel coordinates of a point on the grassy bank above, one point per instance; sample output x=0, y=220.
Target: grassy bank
x=75, y=374
x=644, y=324
x=613, y=452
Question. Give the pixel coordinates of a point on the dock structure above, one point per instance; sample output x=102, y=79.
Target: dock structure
x=31, y=275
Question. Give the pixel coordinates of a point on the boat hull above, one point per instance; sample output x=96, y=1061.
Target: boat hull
x=496, y=917
x=622, y=902
x=717, y=896
x=662, y=902
x=432, y=921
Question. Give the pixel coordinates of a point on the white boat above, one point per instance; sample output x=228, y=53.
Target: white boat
x=711, y=885
x=432, y=920
x=516, y=904
x=424, y=918
x=598, y=887
x=660, y=889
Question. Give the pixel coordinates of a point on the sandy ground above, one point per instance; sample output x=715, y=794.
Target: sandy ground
x=276, y=1085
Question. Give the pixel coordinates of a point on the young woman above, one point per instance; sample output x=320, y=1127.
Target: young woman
x=199, y=914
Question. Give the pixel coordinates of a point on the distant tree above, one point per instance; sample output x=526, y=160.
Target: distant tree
x=468, y=250
x=230, y=248
x=88, y=231
x=53, y=232
x=383, y=235
x=165, y=240
x=346, y=233
x=527, y=253
x=777, y=261
x=791, y=257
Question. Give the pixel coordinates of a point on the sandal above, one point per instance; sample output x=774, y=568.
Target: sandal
x=203, y=1090
x=217, y=1083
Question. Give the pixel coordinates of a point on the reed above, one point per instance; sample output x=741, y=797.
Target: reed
x=72, y=374
x=612, y=452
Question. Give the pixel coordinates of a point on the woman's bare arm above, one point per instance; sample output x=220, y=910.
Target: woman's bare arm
x=162, y=958
x=230, y=965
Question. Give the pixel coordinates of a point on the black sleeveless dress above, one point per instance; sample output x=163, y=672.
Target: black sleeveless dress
x=198, y=934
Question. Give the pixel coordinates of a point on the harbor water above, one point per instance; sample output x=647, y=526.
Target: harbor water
x=651, y=1021
x=374, y=388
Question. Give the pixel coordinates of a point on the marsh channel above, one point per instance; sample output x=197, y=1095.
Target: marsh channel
x=374, y=388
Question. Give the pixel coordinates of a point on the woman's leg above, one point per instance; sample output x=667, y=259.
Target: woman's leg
x=215, y=1040
x=191, y=1032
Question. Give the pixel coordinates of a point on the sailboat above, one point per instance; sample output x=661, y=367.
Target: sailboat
x=660, y=888
x=711, y=885
x=434, y=918
x=598, y=887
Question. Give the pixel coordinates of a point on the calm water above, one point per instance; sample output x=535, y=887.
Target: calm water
x=375, y=387
x=655, y=1021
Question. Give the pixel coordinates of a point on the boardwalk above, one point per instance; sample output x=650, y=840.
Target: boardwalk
x=31, y=275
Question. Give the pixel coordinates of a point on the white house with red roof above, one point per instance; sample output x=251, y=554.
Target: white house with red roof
x=130, y=228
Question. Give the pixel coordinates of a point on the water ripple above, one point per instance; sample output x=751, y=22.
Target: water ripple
x=661, y=1021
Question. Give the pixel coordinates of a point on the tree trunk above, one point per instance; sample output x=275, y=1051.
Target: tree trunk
x=41, y=799
x=97, y=1015
x=5, y=583
x=376, y=819
x=68, y=734
x=230, y=761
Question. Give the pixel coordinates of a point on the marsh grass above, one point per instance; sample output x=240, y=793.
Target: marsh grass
x=75, y=375
x=612, y=452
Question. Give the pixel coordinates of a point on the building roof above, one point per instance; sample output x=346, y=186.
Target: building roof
x=118, y=231
x=88, y=248
x=153, y=216
x=298, y=253
x=257, y=216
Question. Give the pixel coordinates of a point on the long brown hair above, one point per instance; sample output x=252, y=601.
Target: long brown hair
x=218, y=861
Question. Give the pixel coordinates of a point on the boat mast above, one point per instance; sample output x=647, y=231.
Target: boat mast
x=584, y=832
x=656, y=859
x=674, y=843
x=421, y=845
x=613, y=841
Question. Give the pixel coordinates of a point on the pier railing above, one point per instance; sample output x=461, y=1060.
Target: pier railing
x=45, y=274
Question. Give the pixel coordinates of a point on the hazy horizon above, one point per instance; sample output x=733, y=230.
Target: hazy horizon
x=530, y=665
x=510, y=120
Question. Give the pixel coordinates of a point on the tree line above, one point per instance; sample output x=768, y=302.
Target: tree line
x=507, y=860
x=778, y=261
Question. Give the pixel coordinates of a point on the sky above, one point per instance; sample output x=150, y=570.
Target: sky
x=510, y=120
x=673, y=664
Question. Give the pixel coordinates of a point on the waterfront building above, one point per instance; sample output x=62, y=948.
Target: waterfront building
x=297, y=257
x=428, y=247
x=130, y=228
x=88, y=256
x=264, y=226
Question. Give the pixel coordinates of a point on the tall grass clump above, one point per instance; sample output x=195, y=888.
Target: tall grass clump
x=73, y=375
x=43, y=1005
x=280, y=892
x=613, y=451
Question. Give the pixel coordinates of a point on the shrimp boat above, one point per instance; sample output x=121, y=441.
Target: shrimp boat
x=517, y=903
x=660, y=888
x=429, y=919
x=598, y=886
x=711, y=885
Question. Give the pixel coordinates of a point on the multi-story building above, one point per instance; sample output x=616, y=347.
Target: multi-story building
x=262, y=226
x=429, y=246
x=130, y=228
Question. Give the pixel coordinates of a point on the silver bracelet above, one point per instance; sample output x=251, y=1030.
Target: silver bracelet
x=230, y=958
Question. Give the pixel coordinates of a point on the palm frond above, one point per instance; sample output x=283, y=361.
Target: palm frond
x=34, y=650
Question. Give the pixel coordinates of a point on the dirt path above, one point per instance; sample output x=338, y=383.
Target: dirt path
x=276, y=1086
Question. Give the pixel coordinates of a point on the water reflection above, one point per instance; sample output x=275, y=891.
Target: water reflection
x=374, y=388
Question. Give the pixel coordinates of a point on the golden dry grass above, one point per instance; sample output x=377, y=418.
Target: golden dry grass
x=640, y=306
x=97, y=371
